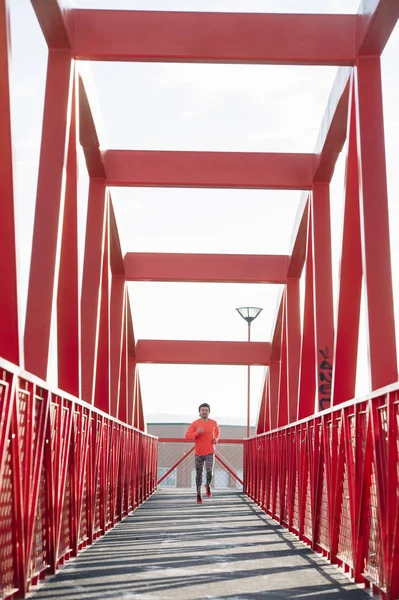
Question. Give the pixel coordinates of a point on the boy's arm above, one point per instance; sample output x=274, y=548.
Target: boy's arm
x=216, y=434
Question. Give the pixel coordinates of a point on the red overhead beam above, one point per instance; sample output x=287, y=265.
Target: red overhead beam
x=216, y=268
x=202, y=353
x=150, y=36
x=293, y=39
x=209, y=169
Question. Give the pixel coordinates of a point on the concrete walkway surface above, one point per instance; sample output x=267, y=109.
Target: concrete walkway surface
x=226, y=548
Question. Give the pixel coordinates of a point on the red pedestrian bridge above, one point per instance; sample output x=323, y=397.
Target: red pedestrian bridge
x=76, y=458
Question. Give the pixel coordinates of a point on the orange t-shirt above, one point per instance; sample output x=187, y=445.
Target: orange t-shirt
x=203, y=441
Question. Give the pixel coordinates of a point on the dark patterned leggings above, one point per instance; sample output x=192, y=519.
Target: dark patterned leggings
x=209, y=460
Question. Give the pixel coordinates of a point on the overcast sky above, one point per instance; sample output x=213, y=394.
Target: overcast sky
x=196, y=107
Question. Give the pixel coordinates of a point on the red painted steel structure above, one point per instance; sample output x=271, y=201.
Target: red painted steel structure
x=308, y=370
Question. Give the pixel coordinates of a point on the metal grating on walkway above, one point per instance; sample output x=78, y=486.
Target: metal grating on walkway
x=226, y=548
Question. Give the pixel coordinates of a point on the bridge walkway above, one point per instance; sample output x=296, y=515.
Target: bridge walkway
x=170, y=547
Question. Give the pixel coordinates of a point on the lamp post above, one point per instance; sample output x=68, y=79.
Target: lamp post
x=249, y=313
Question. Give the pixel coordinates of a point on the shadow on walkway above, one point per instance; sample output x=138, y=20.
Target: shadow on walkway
x=172, y=547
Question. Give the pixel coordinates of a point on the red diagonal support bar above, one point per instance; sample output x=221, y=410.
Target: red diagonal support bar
x=209, y=169
x=214, y=37
x=52, y=17
x=68, y=313
x=307, y=383
x=202, y=353
x=88, y=136
x=322, y=292
x=220, y=268
x=9, y=345
x=375, y=222
x=117, y=342
x=49, y=208
x=293, y=346
x=350, y=281
x=282, y=406
x=102, y=367
x=262, y=421
x=91, y=283
x=116, y=258
x=298, y=252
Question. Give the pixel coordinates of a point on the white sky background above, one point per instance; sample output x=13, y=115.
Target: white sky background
x=196, y=107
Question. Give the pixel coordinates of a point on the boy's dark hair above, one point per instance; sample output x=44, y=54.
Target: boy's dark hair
x=206, y=405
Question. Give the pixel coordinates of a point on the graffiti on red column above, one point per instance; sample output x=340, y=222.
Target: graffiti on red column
x=325, y=379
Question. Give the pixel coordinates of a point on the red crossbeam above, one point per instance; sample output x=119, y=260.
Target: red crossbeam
x=256, y=170
x=202, y=353
x=213, y=37
x=220, y=268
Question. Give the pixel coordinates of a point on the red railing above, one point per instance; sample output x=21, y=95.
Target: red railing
x=332, y=479
x=68, y=473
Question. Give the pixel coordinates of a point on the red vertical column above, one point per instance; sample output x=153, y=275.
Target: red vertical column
x=307, y=380
x=68, y=310
x=91, y=283
x=293, y=345
x=375, y=222
x=9, y=345
x=323, y=294
x=49, y=210
x=350, y=279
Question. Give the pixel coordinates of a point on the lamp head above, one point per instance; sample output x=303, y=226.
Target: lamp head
x=249, y=313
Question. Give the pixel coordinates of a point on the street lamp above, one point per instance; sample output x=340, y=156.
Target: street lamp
x=249, y=313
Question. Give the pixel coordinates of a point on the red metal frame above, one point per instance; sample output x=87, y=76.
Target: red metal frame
x=87, y=469
x=46, y=243
x=332, y=480
x=71, y=471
